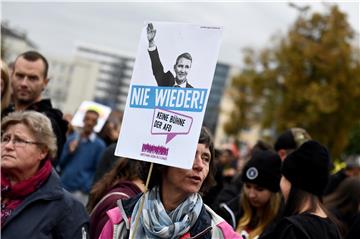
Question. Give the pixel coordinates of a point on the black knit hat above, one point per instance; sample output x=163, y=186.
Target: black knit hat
x=307, y=168
x=263, y=169
x=291, y=139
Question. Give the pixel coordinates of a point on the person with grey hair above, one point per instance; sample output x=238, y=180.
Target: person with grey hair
x=182, y=65
x=31, y=192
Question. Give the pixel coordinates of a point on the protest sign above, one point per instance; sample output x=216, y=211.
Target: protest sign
x=103, y=110
x=169, y=89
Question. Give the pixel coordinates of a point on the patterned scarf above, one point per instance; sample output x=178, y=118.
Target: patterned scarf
x=155, y=222
x=15, y=194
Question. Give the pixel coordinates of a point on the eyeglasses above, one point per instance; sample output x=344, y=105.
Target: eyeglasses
x=16, y=141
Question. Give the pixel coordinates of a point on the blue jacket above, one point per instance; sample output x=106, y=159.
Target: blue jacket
x=78, y=169
x=49, y=212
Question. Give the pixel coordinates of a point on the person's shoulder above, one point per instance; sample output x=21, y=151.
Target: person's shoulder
x=111, y=148
x=307, y=219
x=72, y=136
x=304, y=225
x=234, y=203
x=44, y=106
x=51, y=190
x=286, y=228
x=109, y=153
x=55, y=193
x=73, y=218
x=99, y=141
x=221, y=229
x=69, y=200
x=73, y=206
x=213, y=215
x=7, y=110
x=297, y=221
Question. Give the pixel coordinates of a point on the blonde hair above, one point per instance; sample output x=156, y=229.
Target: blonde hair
x=38, y=124
x=6, y=92
x=262, y=217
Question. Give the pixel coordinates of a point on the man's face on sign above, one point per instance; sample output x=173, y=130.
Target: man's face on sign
x=182, y=68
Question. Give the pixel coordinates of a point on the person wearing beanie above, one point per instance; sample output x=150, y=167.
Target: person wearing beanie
x=290, y=140
x=259, y=202
x=305, y=174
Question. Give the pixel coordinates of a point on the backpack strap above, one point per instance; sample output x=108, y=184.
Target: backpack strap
x=106, y=196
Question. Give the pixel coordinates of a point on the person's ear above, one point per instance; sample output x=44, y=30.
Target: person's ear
x=43, y=153
x=46, y=81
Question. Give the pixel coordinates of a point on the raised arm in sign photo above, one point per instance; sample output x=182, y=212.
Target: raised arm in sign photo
x=182, y=65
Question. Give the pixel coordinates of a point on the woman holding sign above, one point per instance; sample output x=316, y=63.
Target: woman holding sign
x=173, y=207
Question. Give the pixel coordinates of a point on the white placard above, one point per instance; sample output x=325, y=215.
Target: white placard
x=162, y=123
x=103, y=110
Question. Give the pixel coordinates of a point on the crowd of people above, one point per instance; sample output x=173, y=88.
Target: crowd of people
x=59, y=181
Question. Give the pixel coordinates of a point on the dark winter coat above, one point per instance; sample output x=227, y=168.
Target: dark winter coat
x=230, y=211
x=49, y=212
x=304, y=226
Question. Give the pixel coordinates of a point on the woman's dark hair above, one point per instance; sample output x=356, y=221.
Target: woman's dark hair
x=207, y=139
x=296, y=200
x=123, y=169
x=345, y=201
x=157, y=173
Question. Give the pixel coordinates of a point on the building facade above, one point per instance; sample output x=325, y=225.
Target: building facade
x=114, y=76
x=14, y=42
x=72, y=81
x=221, y=79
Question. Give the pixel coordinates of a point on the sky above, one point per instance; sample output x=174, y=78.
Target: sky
x=56, y=27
